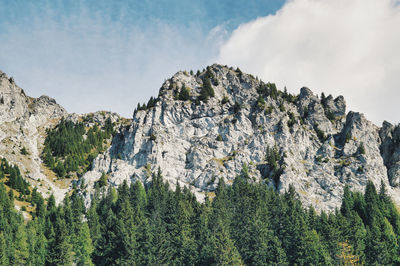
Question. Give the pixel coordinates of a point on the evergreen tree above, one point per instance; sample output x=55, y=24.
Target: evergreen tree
x=184, y=94
x=59, y=169
x=103, y=180
x=203, y=234
x=264, y=247
x=125, y=228
x=83, y=247
x=311, y=251
x=223, y=249
x=94, y=223
x=372, y=209
x=60, y=248
x=138, y=199
x=347, y=202
x=204, y=95
x=3, y=250
x=389, y=247
x=246, y=223
x=21, y=247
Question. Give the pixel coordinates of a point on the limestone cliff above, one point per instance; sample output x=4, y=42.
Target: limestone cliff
x=23, y=124
x=319, y=147
x=306, y=140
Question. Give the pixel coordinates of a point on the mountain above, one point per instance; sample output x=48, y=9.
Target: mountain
x=315, y=144
x=24, y=122
x=217, y=124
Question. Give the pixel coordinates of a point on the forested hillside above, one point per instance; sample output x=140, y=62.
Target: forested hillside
x=246, y=223
x=70, y=147
x=278, y=153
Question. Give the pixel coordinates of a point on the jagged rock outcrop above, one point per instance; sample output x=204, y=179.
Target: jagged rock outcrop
x=319, y=148
x=390, y=150
x=23, y=124
x=305, y=140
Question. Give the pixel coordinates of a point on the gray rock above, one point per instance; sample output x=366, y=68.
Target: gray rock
x=181, y=138
x=196, y=144
x=390, y=149
x=23, y=122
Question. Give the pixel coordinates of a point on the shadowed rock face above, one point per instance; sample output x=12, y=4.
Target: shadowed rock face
x=317, y=147
x=197, y=143
x=390, y=150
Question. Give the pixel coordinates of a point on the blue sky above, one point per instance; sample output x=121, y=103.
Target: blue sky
x=109, y=55
x=95, y=55
x=207, y=13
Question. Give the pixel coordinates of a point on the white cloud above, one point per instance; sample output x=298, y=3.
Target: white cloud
x=342, y=47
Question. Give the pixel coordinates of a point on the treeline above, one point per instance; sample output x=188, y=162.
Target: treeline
x=245, y=223
x=14, y=177
x=70, y=147
x=55, y=235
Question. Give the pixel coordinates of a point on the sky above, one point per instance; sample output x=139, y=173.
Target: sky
x=110, y=55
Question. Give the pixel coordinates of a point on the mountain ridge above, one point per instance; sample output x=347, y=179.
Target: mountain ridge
x=197, y=142
x=220, y=122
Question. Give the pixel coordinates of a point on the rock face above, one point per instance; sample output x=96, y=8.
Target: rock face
x=390, y=150
x=319, y=148
x=23, y=124
x=281, y=139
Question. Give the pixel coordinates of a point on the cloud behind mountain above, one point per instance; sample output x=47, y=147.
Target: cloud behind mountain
x=332, y=46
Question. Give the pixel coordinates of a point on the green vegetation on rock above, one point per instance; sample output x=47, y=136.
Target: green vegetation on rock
x=70, y=147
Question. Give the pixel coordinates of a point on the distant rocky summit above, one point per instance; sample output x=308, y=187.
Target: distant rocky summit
x=24, y=122
x=281, y=139
x=216, y=124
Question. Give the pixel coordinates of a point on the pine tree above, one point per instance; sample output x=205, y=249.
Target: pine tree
x=94, y=223
x=223, y=249
x=37, y=243
x=264, y=247
x=125, y=228
x=311, y=251
x=83, y=247
x=184, y=94
x=182, y=230
x=245, y=171
x=205, y=256
x=390, y=247
x=60, y=248
x=3, y=250
x=105, y=252
x=144, y=237
x=204, y=95
x=21, y=247
x=103, y=180
x=60, y=169
x=347, y=202
x=356, y=234
x=372, y=204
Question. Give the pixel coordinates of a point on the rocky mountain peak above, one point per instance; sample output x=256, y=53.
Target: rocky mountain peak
x=216, y=74
x=306, y=93
x=23, y=124
x=210, y=125
x=214, y=125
